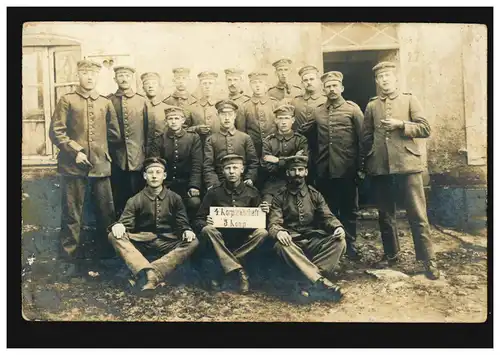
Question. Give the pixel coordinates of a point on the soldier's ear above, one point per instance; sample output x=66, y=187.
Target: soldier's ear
x=342, y=88
x=144, y=175
x=164, y=175
x=287, y=172
x=306, y=172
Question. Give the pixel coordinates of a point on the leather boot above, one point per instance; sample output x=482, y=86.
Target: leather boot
x=431, y=270
x=244, y=283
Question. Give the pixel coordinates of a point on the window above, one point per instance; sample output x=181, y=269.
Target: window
x=341, y=36
x=48, y=72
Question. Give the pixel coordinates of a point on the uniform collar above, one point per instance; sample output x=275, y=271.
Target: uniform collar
x=237, y=190
x=152, y=197
x=262, y=99
x=204, y=101
x=231, y=132
x=181, y=94
x=86, y=94
x=156, y=101
x=128, y=93
x=314, y=96
x=391, y=96
x=287, y=136
x=177, y=134
x=337, y=103
x=236, y=96
x=282, y=86
x=302, y=189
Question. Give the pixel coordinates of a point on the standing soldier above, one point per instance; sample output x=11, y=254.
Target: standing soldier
x=312, y=98
x=234, y=83
x=392, y=157
x=156, y=110
x=336, y=157
x=308, y=236
x=154, y=220
x=184, y=155
x=228, y=141
x=283, y=89
x=181, y=97
x=81, y=126
x=233, y=244
x=277, y=148
x=128, y=155
x=257, y=117
x=203, y=112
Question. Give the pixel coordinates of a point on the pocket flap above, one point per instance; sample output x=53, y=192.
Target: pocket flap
x=108, y=156
x=413, y=151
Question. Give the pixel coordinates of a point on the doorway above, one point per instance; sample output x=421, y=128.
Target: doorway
x=359, y=87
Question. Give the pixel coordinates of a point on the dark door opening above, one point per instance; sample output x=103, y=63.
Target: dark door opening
x=359, y=86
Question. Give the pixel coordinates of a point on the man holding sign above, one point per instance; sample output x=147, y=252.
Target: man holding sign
x=309, y=237
x=230, y=244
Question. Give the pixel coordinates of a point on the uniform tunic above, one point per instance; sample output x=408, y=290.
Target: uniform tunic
x=280, y=92
x=304, y=107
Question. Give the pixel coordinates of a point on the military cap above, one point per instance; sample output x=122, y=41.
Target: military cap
x=308, y=69
x=174, y=111
x=207, y=75
x=284, y=110
x=232, y=159
x=332, y=75
x=233, y=71
x=88, y=65
x=222, y=104
x=124, y=67
x=181, y=71
x=150, y=75
x=383, y=66
x=154, y=161
x=296, y=160
x=257, y=76
x=285, y=62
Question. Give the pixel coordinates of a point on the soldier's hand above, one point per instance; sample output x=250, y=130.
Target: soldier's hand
x=248, y=182
x=360, y=176
x=284, y=238
x=271, y=159
x=390, y=124
x=339, y=232
x=210, y=221
x=300, y=152
x=192, y=192
x=188, y=236
x=118, y=230
x=81, y=159
x=265, y=206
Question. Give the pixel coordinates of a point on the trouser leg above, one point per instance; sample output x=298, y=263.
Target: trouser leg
x=325, y=251
x=73, y=196
x=386, y=203
x=348, y=207
x=119, y=189
x=255, y=239
x=294, y=257
x=416, y=210
x=104, y=207
x=227, y=260
x=192, y=205
x=176, y=252
x=130, y=253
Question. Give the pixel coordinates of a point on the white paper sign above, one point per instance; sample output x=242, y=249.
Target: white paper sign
x=238, y=217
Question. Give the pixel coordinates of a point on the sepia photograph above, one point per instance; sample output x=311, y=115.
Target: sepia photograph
x=254, y=172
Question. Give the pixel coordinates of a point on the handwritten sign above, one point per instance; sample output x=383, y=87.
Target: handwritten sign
x=238, y=217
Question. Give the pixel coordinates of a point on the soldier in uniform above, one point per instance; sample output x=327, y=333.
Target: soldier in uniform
x=228, y=141
x=337, y=161
x=283, y=89
x=308, y=236
x=230, y=245
x=257, y=117
x=181, y=97
x=156, y=110
x=277, y=148
x=312, y=98
x=392, y=157
x=154, y=220
x=184, y=155
x=203, y=112
x=82, y=125
x=234, y=83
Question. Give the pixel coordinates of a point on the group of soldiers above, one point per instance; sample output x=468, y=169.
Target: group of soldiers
x=154, y=166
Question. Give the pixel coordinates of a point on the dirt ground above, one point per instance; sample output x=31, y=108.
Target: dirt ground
x=405, y=296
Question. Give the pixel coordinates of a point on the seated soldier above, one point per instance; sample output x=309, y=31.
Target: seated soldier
x=230, y=245
x=228, y=141
x=277, y=148
x=309, y=237
x=183, y=152
x=153, y=220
